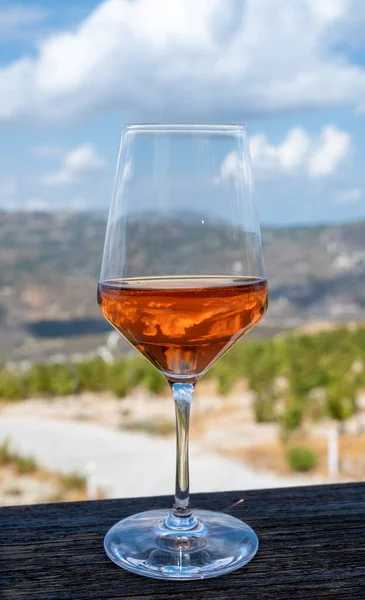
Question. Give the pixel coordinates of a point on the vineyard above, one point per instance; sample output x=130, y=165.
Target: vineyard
x=294, y=377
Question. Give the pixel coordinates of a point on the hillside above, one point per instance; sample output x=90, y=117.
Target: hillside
x=50, y=265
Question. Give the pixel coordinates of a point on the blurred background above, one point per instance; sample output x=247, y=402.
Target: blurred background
x=81, y=415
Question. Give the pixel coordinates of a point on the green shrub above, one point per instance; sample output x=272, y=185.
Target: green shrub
x=301, y=458
x=155, y=382
x=11, y=385
x=73, y=481
x=138, y=370
x=308, y=362
x=119, y=378
x=5, y=453
x=52, y=379
x=92, y=375
x=63, y=381
x=261, y=363
x=141, y=372
x=167, y=428
x=159, y=428
x=24, y=464
x=119, y=387
x=292, y=417
x=38, y=380
x=225, y=383
x=340, y=400
x=264, y=408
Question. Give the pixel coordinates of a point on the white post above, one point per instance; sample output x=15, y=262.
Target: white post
x=91, y=482
x=332, y=456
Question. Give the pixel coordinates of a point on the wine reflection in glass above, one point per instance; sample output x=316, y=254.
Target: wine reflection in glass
x=182, y=280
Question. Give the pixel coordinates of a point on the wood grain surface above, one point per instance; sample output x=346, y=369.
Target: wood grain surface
x=312, y=545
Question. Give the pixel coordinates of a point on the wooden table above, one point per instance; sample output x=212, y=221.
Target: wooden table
x=312, y=545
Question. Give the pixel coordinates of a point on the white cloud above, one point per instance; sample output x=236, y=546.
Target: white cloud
x=331, y=149
x=300, y=153
x=286, y=156
x=349, y=196
x=268, y=159
x=187, y=59
x=232, y=167
x=297, y=154
x=328, y=10
x=294, y=149
x=83, y=159
x=76, y=163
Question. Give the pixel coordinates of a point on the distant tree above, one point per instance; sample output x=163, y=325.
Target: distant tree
x=291, y=418
x=264, y=407
x=340, y=400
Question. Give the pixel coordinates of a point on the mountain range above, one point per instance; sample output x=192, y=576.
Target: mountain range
x=50, y=264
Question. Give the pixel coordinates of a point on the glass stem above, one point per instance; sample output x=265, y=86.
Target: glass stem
x=182, y=393
x=181, y=517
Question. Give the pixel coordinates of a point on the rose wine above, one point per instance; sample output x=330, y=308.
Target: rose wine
x=183, y=324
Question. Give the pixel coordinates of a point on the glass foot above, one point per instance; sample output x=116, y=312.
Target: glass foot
x=206, y=545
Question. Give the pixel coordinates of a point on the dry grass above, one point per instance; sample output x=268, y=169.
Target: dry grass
x=18, y=489
x=159, y=428
x=17, y=471
x=69, y=487
x=272, y=456
x=73, y=481
x=22, y=464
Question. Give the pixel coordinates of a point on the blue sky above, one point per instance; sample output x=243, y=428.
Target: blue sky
x=293, y=71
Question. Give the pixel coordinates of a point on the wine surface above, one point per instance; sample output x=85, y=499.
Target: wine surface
x=183, y=324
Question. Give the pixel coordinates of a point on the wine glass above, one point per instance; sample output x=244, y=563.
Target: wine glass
x=182, y=279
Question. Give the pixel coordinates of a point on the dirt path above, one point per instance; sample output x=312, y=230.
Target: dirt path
x=128, y=464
